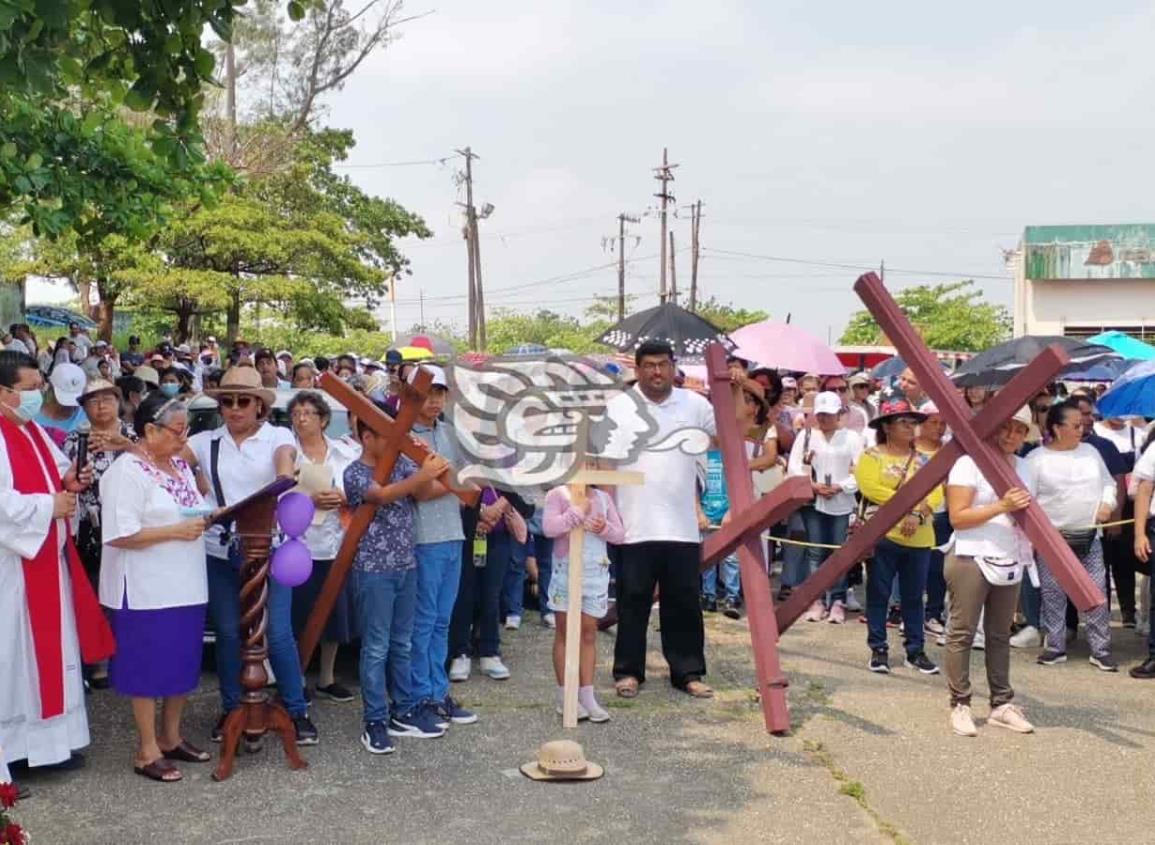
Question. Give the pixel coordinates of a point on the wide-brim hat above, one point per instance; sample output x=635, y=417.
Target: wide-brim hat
x=892, y=409
x=147, y=374
x=98, y=385
x=561, y=759
x=244, y=380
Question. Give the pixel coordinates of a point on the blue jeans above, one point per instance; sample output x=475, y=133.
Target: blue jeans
x=513, y=586
x=225, y=613
x=831, y=530
x=935, y=580
x=731, y=580
x=794, y=557
x=384, y=603
x=1032, y=599
x=438, y=574
x=910, y=566
x=543, y=554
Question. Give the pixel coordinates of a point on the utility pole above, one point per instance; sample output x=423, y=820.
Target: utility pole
x=665, y=175
x=421, y=305
x=882, y=270
x=695, y=229
x=623, y=219
x=673, y=272
x=393, y=308
x=476, y=303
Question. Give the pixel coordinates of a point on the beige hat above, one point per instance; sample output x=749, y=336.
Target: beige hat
x=244, y=380
x=148, y=375
x=562, y=759
x=98, y=385
x=1023, y=415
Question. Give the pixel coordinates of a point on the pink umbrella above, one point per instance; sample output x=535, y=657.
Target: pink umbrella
x=785, y=347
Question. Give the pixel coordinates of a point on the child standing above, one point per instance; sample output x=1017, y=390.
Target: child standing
x=599, y=516
x=384, y=586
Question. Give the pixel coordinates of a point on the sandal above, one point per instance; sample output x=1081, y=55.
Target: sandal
x=626, y=687
x=159, y=770
x=697, y=689
x=186, y=752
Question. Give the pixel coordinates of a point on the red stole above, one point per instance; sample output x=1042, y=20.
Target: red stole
x=42, y=575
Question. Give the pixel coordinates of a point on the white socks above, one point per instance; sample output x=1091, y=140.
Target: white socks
x=586, y=698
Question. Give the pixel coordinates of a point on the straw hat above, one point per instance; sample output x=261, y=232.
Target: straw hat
x=244, y=380
x=98, y=385
x=562, y=759
x=147, y=374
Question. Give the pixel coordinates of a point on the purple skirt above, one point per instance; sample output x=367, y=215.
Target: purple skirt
x=158, y=652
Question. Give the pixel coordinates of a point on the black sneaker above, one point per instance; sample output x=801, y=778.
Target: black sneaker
x=709, y=605
x=894, y=617
x=1145, y=671
x=335, y=692
x=218, y=731
x=1052, y=658
x=376, y=738
x=729, y=609
x=783, y=593
x=1129, y=620
x=306, y=730
x=1104, y=663
x=920, y=662
x=880, y=661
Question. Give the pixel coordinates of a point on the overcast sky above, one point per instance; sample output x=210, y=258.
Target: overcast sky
x=927, y=135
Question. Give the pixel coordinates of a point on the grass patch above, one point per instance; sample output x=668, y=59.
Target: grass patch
x=852, y=788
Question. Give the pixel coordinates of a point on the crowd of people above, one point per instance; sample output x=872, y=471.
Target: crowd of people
x=110, y=559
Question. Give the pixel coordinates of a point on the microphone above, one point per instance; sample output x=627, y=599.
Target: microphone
x=82, y=432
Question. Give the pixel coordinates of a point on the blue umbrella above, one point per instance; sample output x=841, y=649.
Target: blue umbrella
x=1125, y=345
x=892, y=368
x=529, y=350
x=1132, y=394
x=1106, y=370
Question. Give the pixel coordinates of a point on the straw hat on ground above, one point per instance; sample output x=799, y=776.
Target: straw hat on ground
x=246, y=381
x=562, y=759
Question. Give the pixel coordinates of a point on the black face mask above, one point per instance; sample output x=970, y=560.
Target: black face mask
x=206, y=359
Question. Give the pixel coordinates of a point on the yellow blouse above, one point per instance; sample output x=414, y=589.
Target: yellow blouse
x=879, y=475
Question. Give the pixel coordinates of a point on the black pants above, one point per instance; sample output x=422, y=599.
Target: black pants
x=674, y=568
x=475, y=624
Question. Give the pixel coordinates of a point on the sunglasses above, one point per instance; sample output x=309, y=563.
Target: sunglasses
x=241, y=402
x=842, y=389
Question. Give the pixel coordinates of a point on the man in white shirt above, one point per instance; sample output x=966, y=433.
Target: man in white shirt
x=1144, y=512
x=662, y=545
x=861, y=409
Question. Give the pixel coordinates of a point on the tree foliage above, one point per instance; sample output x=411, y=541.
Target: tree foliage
x=949, y=316
x=728, y=318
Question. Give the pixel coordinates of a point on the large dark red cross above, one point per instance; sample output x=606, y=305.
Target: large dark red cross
x=969, y=436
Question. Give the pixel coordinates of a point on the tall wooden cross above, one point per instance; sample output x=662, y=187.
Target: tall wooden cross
x=969, y=436
x=573, y=626
x=743, y=531
x=398, y=441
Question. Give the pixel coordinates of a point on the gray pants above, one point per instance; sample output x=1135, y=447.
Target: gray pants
x=970, y=595
x=1054, y=612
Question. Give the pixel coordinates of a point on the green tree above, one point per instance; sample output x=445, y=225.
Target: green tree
x=948, y=316
x=728, y=318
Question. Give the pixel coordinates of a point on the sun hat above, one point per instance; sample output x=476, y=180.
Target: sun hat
x=147, y=374
x=393, y=358
x=98, y=385
x=245, y=380
x=1023, y=415
x=857, y=379
x=67, y=382
x=827, y=402
x=891, y=409
x=561, y=759
x=438, y=375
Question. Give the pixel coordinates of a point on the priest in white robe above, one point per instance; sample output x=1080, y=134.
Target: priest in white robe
x=50, y=621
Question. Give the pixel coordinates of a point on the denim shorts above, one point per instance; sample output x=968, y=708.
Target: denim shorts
x=595, y=588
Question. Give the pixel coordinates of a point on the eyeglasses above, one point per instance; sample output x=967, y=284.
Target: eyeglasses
x=241, y=402
x=656, y=366
x=842, y=389
x=181, y=433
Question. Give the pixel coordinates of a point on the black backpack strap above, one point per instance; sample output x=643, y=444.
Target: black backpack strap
x=214, y=476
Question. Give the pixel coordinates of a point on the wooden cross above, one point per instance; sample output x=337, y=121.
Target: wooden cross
x=743, y=531
x=969, y=436
x=398, y=441
x=573, y=626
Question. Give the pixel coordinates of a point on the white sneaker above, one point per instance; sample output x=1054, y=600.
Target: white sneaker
x=549, y=620
x=512, y=622
x=494, y=668
x=460, y=668
x=817, y=611
x=1011, y=717
x=597, y=713
x=1027, y=637
x=852, y=601
x=1142, y=629
x=962, y=722
x=583, y=714
x=980, y=643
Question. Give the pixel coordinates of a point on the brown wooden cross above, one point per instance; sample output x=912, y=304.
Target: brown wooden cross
x=398, y=441
x=969, y=436
x=743, y=531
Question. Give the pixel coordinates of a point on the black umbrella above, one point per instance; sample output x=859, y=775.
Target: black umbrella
x=688, y=333
x=997, y=366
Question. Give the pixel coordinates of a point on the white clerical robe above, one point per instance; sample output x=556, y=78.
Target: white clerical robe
x=24, y=525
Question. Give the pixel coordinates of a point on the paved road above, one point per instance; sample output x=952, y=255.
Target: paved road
x=871, y=760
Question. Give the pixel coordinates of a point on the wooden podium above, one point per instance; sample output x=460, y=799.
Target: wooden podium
x=254, y=519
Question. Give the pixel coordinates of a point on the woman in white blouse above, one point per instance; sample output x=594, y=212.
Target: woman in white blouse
x=153, y=582
x=827, y=454
x=1076, y=490
x=321, y=462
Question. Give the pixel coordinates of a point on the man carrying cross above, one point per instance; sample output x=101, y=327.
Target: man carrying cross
x=661, y=544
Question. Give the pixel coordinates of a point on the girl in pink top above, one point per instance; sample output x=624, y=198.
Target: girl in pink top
x=599, y=517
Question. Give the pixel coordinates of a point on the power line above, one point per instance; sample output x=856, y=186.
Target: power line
x=845, y=266
x=415, y=163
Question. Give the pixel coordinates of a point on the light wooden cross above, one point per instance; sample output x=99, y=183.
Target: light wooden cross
x=399, y=441
x=577, y=485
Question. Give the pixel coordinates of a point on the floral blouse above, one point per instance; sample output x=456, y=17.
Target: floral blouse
x=88, y=500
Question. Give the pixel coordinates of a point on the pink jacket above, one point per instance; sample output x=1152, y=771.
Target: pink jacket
x=560, y=517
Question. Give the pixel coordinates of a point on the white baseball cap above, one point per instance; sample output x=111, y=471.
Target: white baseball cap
x=438, y=375
x=68, y=383
x=789, y=381
x=827, y=403
x=284, y=353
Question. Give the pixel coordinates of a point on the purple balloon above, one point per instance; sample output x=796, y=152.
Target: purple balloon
x=295, y=513
x=292, y=563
